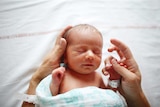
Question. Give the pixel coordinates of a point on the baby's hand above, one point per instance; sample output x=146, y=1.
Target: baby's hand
x=57, y=76
x=113, y=75
x=109, y=70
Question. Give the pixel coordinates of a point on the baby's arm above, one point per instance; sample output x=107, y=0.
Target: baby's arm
x=114, y=77
x=57, y=76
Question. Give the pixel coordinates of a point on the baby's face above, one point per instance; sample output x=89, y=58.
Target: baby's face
x=84, y=50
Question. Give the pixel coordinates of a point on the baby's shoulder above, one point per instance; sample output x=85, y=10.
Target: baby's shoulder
x=100, y=80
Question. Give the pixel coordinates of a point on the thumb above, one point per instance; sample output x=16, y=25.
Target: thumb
x=120, y=69
x=63, y=42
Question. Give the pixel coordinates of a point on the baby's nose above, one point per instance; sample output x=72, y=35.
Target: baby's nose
x=90, y=55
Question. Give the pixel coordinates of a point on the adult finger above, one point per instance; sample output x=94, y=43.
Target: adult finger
x=123, y=48
x=60, y=44
x=124, y=72
x=119, y=52
x=62, y=33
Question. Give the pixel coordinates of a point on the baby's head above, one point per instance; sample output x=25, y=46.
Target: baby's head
x=82, y=28
x=84, y=48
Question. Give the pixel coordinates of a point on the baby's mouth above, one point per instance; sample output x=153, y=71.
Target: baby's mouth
x=89, y=65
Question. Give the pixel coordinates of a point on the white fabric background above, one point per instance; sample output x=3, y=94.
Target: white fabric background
x=28, y=29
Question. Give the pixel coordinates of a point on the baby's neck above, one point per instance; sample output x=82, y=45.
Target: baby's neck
x=73, y=79
x=88, y=76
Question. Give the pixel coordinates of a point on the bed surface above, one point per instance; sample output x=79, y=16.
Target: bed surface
x=28, y=30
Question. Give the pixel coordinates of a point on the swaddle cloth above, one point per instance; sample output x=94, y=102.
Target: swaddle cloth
x=80, y=97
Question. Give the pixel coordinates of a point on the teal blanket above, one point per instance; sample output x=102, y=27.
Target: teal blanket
x=80, y=97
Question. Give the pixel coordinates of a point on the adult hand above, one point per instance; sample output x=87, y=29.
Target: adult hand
x=51, y=61
x=130, y=74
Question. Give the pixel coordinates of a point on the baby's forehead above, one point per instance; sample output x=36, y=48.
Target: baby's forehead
x=84, y=27
x=81, y=29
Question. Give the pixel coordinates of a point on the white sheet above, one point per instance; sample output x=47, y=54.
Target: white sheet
x=28, y=29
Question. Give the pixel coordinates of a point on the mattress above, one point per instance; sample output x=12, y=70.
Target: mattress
x=28, y=29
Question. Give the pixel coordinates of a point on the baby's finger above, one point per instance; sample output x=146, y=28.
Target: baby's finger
x=59, y=72
x=107, y=61
x=105, y=72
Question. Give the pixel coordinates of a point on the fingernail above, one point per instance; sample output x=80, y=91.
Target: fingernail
x=105, y=73
x=108, y=65
x=114, y=61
